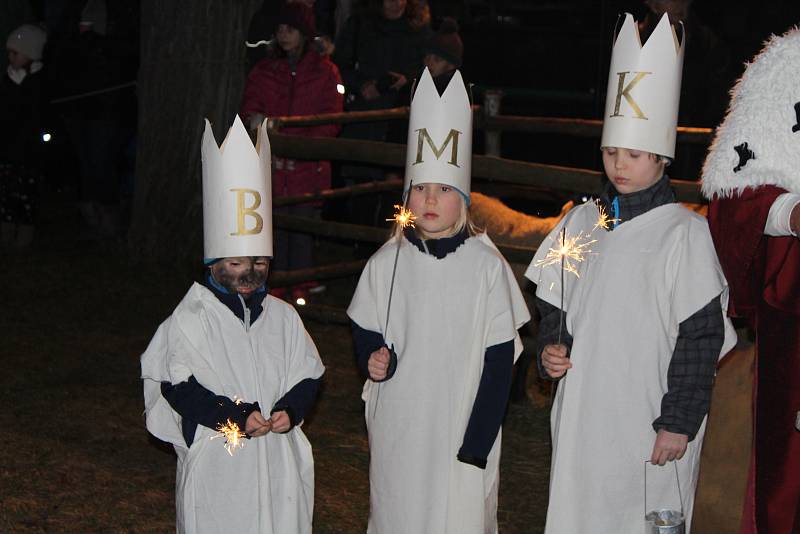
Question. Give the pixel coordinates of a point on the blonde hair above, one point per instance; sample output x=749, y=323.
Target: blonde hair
x=464, y=221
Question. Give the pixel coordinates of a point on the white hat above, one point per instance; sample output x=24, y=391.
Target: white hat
x=237, y=194
x=28, y=40
x=758, y=142
x=439, y=148
x=644, y=89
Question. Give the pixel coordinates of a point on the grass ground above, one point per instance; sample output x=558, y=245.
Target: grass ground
x=75, y=317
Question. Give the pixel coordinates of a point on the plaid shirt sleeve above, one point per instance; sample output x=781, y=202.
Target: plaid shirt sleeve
x=691, y=371
x=548, y=332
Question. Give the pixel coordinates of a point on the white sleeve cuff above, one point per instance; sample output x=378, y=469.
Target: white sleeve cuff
x=779, y=214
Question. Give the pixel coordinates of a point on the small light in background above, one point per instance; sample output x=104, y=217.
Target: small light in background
x=584, y=198
x=340, y=88
x=301, y=301
x=46, y=137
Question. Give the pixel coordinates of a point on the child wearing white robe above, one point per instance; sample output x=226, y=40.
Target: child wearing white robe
x=436, y=399
x=643, y=326
x=227, y=352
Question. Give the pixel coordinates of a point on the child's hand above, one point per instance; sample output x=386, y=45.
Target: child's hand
x=669, y=446
x=378, y=364
x=555, y=361
x=280, y=422
x=256, y=425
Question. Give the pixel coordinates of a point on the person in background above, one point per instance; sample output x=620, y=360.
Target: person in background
x=379, y=52
x=751, y=178
x=21, y=113
x=295, y=80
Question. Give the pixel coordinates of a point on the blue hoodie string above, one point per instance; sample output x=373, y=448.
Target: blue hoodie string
x=615, y=207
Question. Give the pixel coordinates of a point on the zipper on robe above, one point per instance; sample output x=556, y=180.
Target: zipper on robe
x=246, y=314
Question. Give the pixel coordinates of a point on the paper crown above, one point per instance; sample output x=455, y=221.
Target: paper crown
x=644, y=88
x=237, y=193
x=439, y=148
x=758, y=141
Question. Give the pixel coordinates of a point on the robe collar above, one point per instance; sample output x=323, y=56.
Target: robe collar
x=235, y=303
x=438, y=248
x=625, y=207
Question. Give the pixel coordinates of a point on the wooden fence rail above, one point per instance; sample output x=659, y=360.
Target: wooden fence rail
x=504, y=123
x=493, y=169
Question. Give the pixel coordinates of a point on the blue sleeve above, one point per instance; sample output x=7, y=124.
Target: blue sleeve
x=365, y=342
x=298, y=400
x=198, y=406
x=490, y=405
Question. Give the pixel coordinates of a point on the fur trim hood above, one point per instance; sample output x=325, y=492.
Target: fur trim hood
x=758, y=142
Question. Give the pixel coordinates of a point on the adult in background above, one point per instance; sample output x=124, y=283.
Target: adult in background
x=295, y=80
x=751, y=177
x=379, y=52
x=22, y=97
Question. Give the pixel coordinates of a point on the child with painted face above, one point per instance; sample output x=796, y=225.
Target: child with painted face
x=435, y=400
x=642, y=325
x=231, y=353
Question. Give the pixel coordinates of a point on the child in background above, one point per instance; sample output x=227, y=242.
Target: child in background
x=644, y=322
x=295, y=80
x=435, y=403
x=22, y=97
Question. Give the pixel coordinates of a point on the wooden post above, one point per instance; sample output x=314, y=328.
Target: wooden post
x=492, y=99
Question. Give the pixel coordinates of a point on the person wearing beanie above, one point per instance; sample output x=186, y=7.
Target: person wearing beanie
x=295, y=80
x=444, y=53
x=21, y=115
x=232, y=355
x=628, y=398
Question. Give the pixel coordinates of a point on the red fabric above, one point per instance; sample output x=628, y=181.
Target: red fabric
x=273, y=90
x=764, y=277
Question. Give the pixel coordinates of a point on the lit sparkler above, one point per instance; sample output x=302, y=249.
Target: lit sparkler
x=233, y=436
x=603, y=221
x=404, y=217
x=569, y=252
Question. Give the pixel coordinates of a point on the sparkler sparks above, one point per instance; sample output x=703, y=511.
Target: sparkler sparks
x=603, y=220
x=404, y=217
x=570, y=251
x=232, y=434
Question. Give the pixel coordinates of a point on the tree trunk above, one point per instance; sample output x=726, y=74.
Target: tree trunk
x=192, y=67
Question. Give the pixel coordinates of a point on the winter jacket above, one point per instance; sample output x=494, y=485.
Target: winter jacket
x=21, y=117
x=276, y=88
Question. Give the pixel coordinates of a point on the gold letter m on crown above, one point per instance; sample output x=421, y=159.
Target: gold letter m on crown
x=452, y=137
x=625, y=90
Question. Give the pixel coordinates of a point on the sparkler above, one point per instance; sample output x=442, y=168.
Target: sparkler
x=233, y=436
x=602, y=219
x=403, y=219
x=570, y=251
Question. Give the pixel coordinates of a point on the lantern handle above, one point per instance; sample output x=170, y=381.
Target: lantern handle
x=677, y=480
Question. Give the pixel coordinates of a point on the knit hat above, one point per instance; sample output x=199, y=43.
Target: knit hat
x=446, y=43
x=298, y=16
x=28, y=40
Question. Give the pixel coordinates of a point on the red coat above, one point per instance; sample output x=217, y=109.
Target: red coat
x=274, y=89
x=764, y=277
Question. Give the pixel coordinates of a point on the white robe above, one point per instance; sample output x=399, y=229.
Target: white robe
x=445, y=313
x=267, y=486
x=635, y=288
